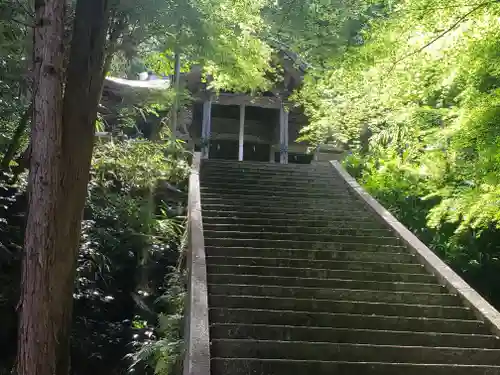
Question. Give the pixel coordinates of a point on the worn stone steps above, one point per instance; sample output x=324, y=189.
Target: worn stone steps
x=340, y=306
x=298, y=229
x=255, y=187
x=235, y=191
x=301, y=350
x=221, y=211
x=264, y=172
x=211, y=165
x=353, y=336
x=252, y=366
x=345, y=320
x=323, y=237
x=304, y=279
x=303, y=210
x=348, y=206
x=317, y=265
x=323, y=170
x=296, y=244
x=271, y=182
x=363, y=256
x=277, y=178
x=341, y=283
x=282, y=198
x=321, y=273
x=210, y=218
x=419, y=298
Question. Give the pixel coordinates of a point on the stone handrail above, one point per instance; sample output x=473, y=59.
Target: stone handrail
x=454, y=283
x=196, y=337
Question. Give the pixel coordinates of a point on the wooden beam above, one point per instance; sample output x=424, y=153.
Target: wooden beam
x=283, y=135
x=248, y=100
x=205, y=129
x=241, y=140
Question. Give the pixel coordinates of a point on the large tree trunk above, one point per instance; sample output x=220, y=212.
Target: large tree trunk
x=62, y=141
x=40, y=331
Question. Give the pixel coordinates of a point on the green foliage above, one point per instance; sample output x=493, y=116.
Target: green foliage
x=317, y=29
x=423, y=89
x=165, y=354
x=128, y=215
x=430, y=101
x=221, y=36
x=14, y=49
x=138, y=164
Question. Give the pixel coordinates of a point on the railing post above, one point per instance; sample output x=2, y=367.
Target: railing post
x=196, y=338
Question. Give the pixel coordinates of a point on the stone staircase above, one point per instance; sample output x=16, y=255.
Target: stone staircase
x=304, y=279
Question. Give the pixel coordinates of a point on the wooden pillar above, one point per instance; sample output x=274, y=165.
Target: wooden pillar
x=205, y=129
x=283, y=135
x=241, y=139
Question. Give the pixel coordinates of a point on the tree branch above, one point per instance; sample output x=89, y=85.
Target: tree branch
x=442, y=34
x=444, y=7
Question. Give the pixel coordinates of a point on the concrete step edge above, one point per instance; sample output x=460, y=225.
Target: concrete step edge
x=333, y=261
x=353, y=345
x=373, y=316
x=335, y=289
x=322, y=269
x=445, y=291
x=359, y=330
x=270, y=249
x=298, y=361
x=340, y=302
x=209, y=231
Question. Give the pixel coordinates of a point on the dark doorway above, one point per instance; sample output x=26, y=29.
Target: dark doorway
x=228, y=150
x=223, y=149
x=256, y=151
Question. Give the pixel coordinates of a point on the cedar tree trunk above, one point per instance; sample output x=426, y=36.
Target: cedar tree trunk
x=62, y=143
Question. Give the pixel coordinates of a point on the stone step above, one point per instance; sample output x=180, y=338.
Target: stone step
x=320, y=274
x=327, y=283
x=285, y=191
x=321, y=266
x=417, y=298
x=226, y=164
x=389, y=240
x=290, y=173
x=284, y=195
x=346, y=335
x=255, y=187
x=244, y=181
x=229, y=348
x=290, y=244
x=298, y=208
x=346, y=204
x=343, y=320
x=310, y=305
x=245, y=366
x=326, y=222
x=222, y=211
x=298, y=229
x=363, y=256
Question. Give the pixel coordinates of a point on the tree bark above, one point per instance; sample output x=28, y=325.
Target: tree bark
x=62, y=144
x=39, y=330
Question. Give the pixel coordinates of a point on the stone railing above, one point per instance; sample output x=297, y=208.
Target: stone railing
x=196, y=334
x=447, y=277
